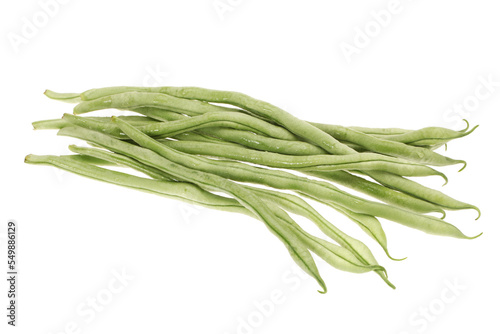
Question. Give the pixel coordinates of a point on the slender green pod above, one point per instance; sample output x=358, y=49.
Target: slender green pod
x=392, y=148
x=208, y=181
x=134, y=99
x=417, y=190
x=64, y=97
x=282, y=180
x=360, y=161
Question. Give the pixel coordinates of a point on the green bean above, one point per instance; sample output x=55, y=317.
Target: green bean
x=298, y=206
x=396, y=149
x=360, y=161
x=408, y=187
x=379, y=192
x=50, y=124
x=319, y=137
x=263, y=109
x=430, y=136
x=64, y=97
x=379, y=131
x=363, y=161
x=282, y=180
x=369, y=224
x=245, y=138
x=121, y=160
x=246, y=103
x=149, y=143
x=336, y=256
x=55, y=124
x=233, y=120
x=373, y=189
x=184, y=191
x=299, y=253
x=417, y=190
x=286, y=201
x=137, y=99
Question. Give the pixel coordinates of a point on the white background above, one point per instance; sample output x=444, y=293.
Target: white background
x=201, y=271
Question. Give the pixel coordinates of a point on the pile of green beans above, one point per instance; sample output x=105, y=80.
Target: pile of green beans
x=192, y=144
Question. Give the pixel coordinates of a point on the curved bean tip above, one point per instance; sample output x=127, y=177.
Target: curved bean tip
x=446, y=146
x=474, y=237
x=323, y=286
x=467, y=125
x=390, y=257
x=72, y=148
x=478, y=212
x=471, y=130
x=443, y=213
x=462, y=162
x=389, y=283
x=445, y=178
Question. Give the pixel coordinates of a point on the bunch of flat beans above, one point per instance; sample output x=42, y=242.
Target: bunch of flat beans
x=210, y=148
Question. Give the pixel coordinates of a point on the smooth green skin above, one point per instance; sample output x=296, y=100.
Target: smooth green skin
x=298, y=206
x=375, y=190
x=379, y=131
x=64, y=97
x=136, y=100
x=360, y=161
x=383, y=133
x=387, y=195
x=430, y=136
x=395, y=149
x=417, y=190
x=291, y=203
x=121, y=160
x=286, y=201
x=369, y=224
x=323, y=135
x=367, y=141
x=260, y=108
x=184, y=191
x=276, y=179
x=320, y=247
x=371, y=143
x=398, y=184
x=216, y=119
x=299, y=253
x=245, y=138
x=336, y=256
x=53, y=124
